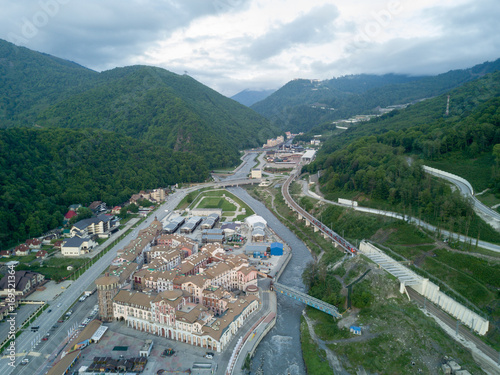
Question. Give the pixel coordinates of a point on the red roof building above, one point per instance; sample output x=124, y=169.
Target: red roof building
x=70, y=214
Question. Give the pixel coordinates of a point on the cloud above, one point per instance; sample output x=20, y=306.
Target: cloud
x=231, y=45
x=314, y=27
x=103, y=34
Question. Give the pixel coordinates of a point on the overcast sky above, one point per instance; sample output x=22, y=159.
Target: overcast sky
x=231, y=45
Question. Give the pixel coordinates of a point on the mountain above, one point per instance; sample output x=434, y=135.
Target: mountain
x=71, y=135
x=156, y=105
x=249, y=97
x=31, y=81
x=379, y=162
x=302, y=104
x=43, y=171
x=147, y=103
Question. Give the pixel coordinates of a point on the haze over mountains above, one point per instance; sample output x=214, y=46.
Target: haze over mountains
x=297, y=106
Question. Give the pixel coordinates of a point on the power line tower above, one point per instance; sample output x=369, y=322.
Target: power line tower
x=447, y=113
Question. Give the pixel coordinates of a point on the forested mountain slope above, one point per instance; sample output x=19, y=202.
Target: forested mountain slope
x=291, y=107
x=249, y=97
x=71, y=135
x=44, y=170
x=159, y=106
x=31, y=81
x=379, y=162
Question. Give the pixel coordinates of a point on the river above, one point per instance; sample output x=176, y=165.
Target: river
x=280, y=352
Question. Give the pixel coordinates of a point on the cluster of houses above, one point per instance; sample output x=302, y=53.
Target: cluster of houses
x=26, y=248
x=171, y=286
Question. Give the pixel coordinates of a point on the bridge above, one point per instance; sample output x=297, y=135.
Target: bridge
x=311, y=220
x=307, y=299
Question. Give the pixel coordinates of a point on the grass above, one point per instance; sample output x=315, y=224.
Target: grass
x=314, y=357
x=207, y=198
x=215, y=202
x=325, y=326
x=402, y=333
x=489, y=199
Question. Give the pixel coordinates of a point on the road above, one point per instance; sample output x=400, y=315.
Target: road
x=243, y=170
x=409, y=219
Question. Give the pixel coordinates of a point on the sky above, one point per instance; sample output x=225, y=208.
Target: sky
x=232, y=45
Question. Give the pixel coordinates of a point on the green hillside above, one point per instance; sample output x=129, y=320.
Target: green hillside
x=31, y=81
x=72, y=135
x=159, y=106
x=45, y=170
x=379, y=162
x=302, y=105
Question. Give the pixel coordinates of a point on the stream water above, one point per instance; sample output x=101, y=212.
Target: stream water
x=280, y=352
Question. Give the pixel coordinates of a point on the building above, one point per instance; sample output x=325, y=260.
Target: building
x=22, y=250
x=356, y=330
x=93, y=226
x=190, y=225
x=76, y=246
x=206, y=212
x=171, y=315
x=107, y=288
x=308, y=156
x=256, y=173
x=174, y=224
x=276, y=249
x=34, y=243
x=41, y=254
x=255, y=221
x=98, y=206
x=158, y=195
x=24, y=283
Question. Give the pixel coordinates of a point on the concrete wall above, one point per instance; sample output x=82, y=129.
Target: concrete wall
x=468, y=317
x=437, y=172
x=428, y=289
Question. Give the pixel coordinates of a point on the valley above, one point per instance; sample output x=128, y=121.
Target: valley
x=418, y=165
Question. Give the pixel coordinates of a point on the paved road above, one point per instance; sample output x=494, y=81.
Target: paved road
x=452, y=323
x=244, y=169
x=413, y=220
x=24, y=342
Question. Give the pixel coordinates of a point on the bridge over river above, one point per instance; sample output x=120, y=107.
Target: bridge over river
x=307, y=299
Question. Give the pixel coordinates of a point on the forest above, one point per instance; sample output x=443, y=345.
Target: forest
x=380, y=163
x=291, y=107
x=43, y=171
x=72, y=135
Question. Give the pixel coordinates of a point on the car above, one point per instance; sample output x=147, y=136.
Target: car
x=60, y=321
x=49, y=311
x=25, y=361
x=59, y=305
x=35, y=328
